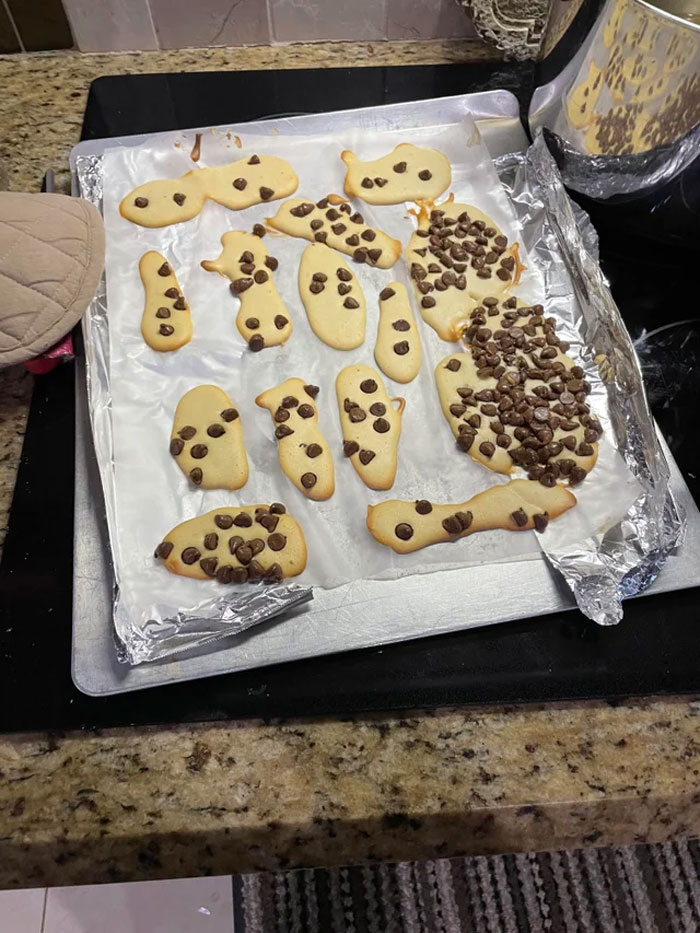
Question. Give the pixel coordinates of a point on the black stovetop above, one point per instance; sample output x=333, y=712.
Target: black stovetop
x=561, y=656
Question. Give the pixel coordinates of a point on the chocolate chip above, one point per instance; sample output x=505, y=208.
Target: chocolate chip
x=306, y=411
x=252, y=323
x=400, y=168
x=368, y=386
x=464, y=519
x=321, y=236
x=401, y=348
x=368, y=235
x=179, y=199
x=311, y=391
x=357, y=218
x=241, y=285
x=367, y=183
x=338, y=228
x=234, y=543
x=141, y=202
x=457, y=410
x=308, y=480
x=196, y=476
x=323, y=203
x=273, y=574
x=176, y=446
x=356, y=414
x=277, y=508
x=276, y=542
x=423, y=507
x=180, y=304
x=259, y=230
x=519, y=517
x=350, y=448
x=344, y=274
x=211, y=541
x=374, y=254
x=187, y=432
x=332, y=214
x=256, y=343
x=166, y=330
x=255, y=569
x=487, y=449
x=164, y=549
x=280, y=321
x=404, y=531
x=190, y=555
x=243, y=520
x=254, y=160
x=366, y=456
x=163, y=313
x=256, y=545
x=381, y=426
x=378, y=408
x=244, y=553
x=316, y=224
x=229, y=414
x=261, y=276
x=290, y=401
x=239, y=575
x=351, y=303
x=171, y=292
x=584, y=450
x=301, y=210
x=283, y=430
x=453, y=365
x=344, y=288
x=380, y=182
x=401, y=325
x=266, y=193
x=164, y=269
x=452, y=525
x=425, y=175
x=215, y=430
x=240, y=183
x=541, y=520
x=223, y=521
x=225, y=574
x=314, y=450
x=316, y=288
x=427, y=302
x=352, y=240
x=199, y=451
x=386, y=293
x=360, y=254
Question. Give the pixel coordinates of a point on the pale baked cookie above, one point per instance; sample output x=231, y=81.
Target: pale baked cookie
x=166, y=323
x=456, y=257
x=408, y=173
x=515, y=399
x=305, y=456
x=612, y=28
x=638, y=69
x=650, y=90
x=262, y=319
x=207, y=440
x=398, y=349
x=333, y=299
x=332, y=221
x=236, y=185
x=370, y=424
x=520, y=505
x=680, y=51
x=235, y=545
x=583, y=98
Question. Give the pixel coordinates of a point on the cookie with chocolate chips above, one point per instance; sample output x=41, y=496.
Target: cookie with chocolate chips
x=166, y=322
x=333, y=298
x=408, y=173
x=398, y=347
x=304, y=454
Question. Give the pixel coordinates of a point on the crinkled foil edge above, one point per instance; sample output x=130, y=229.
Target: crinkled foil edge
x=226, y=616
x=603, y=569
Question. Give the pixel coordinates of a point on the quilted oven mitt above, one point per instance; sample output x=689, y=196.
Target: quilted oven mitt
x=51, y=258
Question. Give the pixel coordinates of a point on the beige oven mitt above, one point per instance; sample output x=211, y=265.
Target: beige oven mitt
x=52, y=250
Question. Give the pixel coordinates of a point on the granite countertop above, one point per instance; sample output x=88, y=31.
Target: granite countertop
x=131, y=804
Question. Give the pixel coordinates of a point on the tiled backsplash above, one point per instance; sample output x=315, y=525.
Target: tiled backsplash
x=111, y=25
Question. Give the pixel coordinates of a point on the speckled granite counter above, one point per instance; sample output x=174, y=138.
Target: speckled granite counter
x=147, y=803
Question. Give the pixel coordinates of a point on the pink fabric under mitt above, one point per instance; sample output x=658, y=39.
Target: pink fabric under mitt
x=52, y=251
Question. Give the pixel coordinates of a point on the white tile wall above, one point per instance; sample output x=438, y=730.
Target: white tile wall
x=111, y=25
x=427, y=19
x=314, y=20
x=182, y=24
x=22, y=911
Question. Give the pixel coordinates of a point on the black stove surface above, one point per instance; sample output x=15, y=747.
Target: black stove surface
x=561, y=656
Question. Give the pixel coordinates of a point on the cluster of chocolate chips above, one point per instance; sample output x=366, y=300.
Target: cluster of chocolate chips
x=179, y=304
x=337, y=220
x=249, y=277
x=241, y=184
x=400, y=167
x=456, y=243
x=290, y=406
x=356, y=413
x=245, y=551
x=200, y=450
x=519, y=349
x=678, y=115
x=319, y=281
x=615, y=130
x=401, y=347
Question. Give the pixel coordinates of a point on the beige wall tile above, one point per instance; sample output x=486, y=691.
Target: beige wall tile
x=182, y=24
x=316, y=20
x=427, y=19
x=111, y=25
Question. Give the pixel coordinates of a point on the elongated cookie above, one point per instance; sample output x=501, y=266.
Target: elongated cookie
x=456, y=257
x=236, y=545
x=207, y=439
x=370, y=424
x=333, y=299
x=408, y=173
x=166, y=323
x=516, y=399
x=520, y=505
x=332, y=221
x=236, y=185
x=398, y=349
x=262, y=319
x=305, y=456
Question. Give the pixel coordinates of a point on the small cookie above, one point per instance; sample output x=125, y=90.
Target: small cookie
x=166, y=323
x=236, y=185
x=611, y=30
x=305, y=456
x=583, y=98
x=235, y=545
x=262, y=319
x=333, y=222
x=680, y=51
x=207, y=439
x=650, y=90
x=408, y=173
x=370, y=424
x=333, y=299
x=520, y=505
x=516, y=399
x=397, y=350
x=456, y=257
x=638, y=69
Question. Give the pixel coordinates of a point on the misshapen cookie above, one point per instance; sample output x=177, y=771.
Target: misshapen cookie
x=520, y=505
x=456, y=257
x=398, y=347
x=333, y=299
x=583, y=98
x=236, y=545
x=262, y=319
x=305, y=456
x=408, y=173
x=370, y=424
x=207, y=440
x=515, y=399
x=236, y=185
x=332, y=221
x=166, y=323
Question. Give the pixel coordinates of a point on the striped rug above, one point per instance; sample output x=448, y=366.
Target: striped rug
x=630, y=889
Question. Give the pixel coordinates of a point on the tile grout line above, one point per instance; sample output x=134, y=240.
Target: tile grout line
x=16, y=31
x=43, y=912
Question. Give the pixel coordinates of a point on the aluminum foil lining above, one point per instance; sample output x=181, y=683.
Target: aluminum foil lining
x=622, y=561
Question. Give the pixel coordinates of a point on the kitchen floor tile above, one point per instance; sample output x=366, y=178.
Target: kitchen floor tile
x=22, y=911
x=188, y=905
